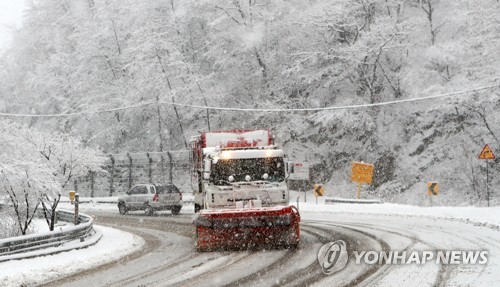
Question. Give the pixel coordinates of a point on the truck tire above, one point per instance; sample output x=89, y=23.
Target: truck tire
x=176, y=210
x=148, y=209
x=122, y=208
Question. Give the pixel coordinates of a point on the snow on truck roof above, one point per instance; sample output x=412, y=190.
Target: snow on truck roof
x=243, y=153
x=222, y=212
x=256, y=138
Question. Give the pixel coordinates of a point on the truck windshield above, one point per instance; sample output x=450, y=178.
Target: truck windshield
x=254, y=167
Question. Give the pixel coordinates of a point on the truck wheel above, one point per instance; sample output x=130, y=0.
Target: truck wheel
x=197, y=208
x=176, y=210
x=122, y=208
x=149, y=210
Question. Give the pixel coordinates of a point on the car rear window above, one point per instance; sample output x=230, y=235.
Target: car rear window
x=167, y=189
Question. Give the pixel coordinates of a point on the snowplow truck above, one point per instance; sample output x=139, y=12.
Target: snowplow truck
x=240, y=192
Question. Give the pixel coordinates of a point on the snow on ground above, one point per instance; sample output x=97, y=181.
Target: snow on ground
x=108, y=204
x=487, y=215
x=91, y=206
x=83, y=200
x=114, y=245
x=484, y=215
x=39, y=225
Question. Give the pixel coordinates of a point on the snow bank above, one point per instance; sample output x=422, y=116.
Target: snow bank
x=109, y=204
x=39, y=225
x=114, y=245
x=108, y=199
x=483, y=215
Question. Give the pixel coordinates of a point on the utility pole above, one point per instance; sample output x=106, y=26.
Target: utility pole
x=487, y=184
x=206, y=105
x=160, y=136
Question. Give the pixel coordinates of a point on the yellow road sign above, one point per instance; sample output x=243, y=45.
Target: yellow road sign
x=486, y=153
x=432, y=188
x=362, y=172
x=318, y=190
x=72, y=195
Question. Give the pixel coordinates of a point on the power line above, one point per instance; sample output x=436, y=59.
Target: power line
x=78, y=113
x=336, y=107
x=464, y=92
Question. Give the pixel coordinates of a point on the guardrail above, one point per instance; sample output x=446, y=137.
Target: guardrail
x=27, y=243
x=91, y=200
x=114, y=200
x=331, y=200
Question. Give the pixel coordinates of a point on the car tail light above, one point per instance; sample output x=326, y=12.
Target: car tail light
x=155, y=197
x=180, y=193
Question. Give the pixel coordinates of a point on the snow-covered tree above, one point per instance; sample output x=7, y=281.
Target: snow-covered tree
x=37, y=167
x=23, y=175
x=68, y=159
x=93, y=55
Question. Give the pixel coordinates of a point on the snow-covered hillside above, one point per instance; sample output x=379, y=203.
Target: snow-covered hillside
x=83, y=56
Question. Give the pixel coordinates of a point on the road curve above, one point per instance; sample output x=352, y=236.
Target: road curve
x=169, y=258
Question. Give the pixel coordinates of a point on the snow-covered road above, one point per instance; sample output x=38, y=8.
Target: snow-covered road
x=406, y=233
x=173, y=260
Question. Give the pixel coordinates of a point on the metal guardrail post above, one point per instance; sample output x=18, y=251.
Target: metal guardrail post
x=112, y=176
x=92, y=183
x=162, y=166
x=170, y=166
x=150, y=172
x=129, y=171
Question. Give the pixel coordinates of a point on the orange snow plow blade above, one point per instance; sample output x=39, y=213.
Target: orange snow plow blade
x=248, y=228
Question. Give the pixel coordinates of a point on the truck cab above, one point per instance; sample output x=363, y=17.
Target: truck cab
x=243, y=169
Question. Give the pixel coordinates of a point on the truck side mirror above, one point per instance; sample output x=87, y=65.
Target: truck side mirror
x=206, y=169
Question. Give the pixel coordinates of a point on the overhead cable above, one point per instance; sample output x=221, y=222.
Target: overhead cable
x=267, y=110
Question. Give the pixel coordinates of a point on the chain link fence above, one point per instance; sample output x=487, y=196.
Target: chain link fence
x=122, y=171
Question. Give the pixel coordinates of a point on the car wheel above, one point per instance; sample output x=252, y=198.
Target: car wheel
x=176, y=210
x=122, y=208
x=149, y=210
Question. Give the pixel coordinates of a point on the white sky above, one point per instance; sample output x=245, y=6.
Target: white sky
x=11, y=13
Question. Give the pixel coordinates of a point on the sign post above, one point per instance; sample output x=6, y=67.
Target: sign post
x=77, y=201
x=361, y=173
x=72, y=197
x=432, y=190
x=487, y=154
x=358, y=194
x=318, y=191
x=298, y=171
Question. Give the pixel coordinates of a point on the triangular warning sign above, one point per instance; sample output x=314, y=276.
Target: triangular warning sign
x=486, y=153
